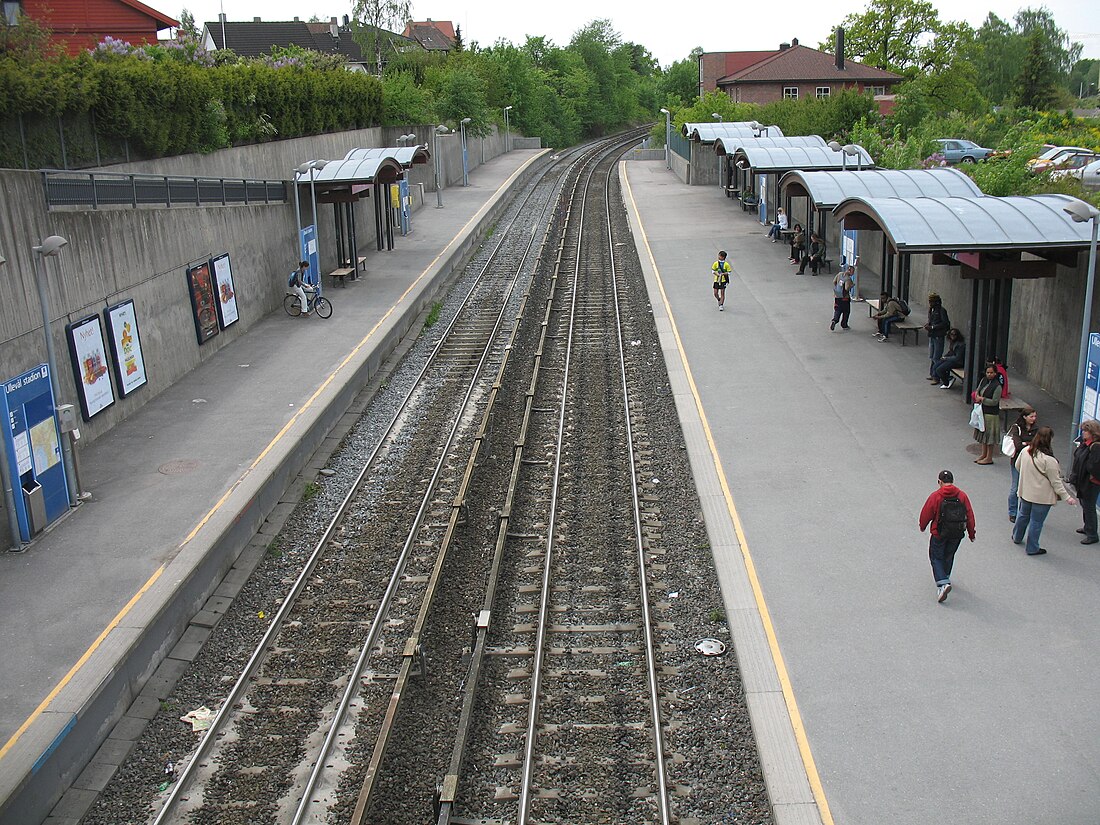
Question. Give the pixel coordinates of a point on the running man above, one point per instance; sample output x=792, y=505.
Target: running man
x=721, y=270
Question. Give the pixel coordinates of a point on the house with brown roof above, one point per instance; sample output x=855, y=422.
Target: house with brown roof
x=81, y=24
x=258, y=38
x=432, y=35
x=792, y=72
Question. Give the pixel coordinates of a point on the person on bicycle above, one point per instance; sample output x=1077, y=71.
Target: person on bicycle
x=297, y=284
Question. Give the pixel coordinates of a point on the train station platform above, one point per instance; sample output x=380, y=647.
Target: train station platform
x=178, y=491
x=813, y=453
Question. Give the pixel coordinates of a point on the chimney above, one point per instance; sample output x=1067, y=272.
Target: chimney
x=333, y=28
x=794, y=41
x=221, y=17
x=784, y=46
x=296, y=20
x=347, y=21
x=840, y=48
x=257, y=20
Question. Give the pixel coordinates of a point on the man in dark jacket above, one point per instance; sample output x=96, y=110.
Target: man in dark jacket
x=937, y=326
x=950, y=515
x=813, y=255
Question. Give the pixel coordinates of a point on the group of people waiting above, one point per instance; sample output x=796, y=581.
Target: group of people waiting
x=805, y=251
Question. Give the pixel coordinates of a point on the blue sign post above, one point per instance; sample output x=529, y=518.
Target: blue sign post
x=1090, y=394
x=32, y=443
x=307, y=240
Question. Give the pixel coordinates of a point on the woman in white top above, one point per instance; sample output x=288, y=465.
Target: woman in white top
x=780, y=225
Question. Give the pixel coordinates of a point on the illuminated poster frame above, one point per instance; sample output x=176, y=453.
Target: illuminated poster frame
x=125, y=341
x=224, y=291
x=91, y=370
x=200, y=286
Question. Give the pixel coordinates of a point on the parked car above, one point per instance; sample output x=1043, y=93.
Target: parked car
x=1048, y=159
x=957, y=150
x=1090, y=175
x=1070, y=166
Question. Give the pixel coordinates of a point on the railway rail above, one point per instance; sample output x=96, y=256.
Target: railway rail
x=485, y=630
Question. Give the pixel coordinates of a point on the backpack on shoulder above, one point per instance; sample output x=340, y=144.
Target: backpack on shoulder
x=951, y=523
x=904, y=307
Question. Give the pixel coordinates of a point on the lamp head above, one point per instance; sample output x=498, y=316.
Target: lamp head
x=320, y=164
x=51, y=246
x=665, y=111
x=851, y=150
x=467, y=119
x=1080, y=211
x=441, y=129
x=507, y=108
x=755, y=126
x=715, y=115
x=835, y=146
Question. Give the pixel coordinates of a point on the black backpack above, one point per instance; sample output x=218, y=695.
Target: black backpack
x=952, y=521
x=904, y=307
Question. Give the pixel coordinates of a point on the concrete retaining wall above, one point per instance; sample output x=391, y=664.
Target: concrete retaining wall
x=142, y=254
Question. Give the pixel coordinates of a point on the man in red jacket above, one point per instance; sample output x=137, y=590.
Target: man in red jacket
x=949, y=512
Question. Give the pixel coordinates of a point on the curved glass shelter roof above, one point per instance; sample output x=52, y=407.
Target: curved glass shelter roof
x=340, y=173
x=784, y=159
x=953, y=224
x=709, y=132
x=405, y=155
x=826, y=189
x=730, y=144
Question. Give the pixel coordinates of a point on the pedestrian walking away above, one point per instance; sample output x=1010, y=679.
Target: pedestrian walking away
x=721, y=270
x=843, y=284
x=948, y=514
x=1041, y=487
x=296, y=283
x=937, y=327
x=1021, y=434
x=1085, y=477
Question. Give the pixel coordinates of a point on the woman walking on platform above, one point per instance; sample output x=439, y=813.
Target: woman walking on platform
x=1041, y=488
x=1021, y=433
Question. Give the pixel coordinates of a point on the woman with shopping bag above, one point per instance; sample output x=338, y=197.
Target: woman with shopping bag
x=987, y=420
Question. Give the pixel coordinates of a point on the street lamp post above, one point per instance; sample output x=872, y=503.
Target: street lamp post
x=465, y=163
x=439, y=130
x=297, y=219
x=759, y=128
x=51, y=248
x=1082, y=212
x=668, y=137
x=852, y=150
x=310, y=166
x=507, y=134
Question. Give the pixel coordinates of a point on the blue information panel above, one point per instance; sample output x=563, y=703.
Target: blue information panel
x=33, y=445
x=1090, y=398
x=307, y=240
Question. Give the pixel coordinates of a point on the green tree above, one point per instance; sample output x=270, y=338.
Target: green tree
x=1038, y=83
x=187, y=24
x=1083, y=78
x=373, y=20
x=895, y=35
x=679, y=83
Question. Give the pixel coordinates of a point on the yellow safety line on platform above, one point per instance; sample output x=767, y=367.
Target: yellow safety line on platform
x=221, y=501
x=758, y=593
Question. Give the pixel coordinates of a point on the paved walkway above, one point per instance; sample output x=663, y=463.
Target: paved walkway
x=186, y=470
x=979, y=710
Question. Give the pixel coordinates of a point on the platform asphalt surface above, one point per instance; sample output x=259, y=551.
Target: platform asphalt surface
x=167, y=481
x=979, y=710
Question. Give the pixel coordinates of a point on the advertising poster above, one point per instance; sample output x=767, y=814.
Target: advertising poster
x=223, y=286
x=203, y=303
x=122, y=332
x=1090, y=393
x=88, y=351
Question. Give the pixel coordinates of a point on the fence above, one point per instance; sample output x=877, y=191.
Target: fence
x=96, y=189
x=70, y=142
x=680, y=144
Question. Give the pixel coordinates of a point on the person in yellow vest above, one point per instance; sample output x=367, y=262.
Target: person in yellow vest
x=721, y=270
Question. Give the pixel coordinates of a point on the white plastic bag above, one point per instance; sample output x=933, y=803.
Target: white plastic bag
x=977, y=420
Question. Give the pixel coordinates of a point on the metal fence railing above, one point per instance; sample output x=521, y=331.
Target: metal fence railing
x=96, y=189
x=680, y=144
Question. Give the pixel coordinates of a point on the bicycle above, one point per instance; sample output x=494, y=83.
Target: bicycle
x=317, y=303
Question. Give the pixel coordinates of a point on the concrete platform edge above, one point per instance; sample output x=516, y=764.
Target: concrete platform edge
x=57, y=746
x=784, y=771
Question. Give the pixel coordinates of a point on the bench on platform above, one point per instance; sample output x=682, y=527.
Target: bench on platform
x=341, y=273
x=362, y=263
x=873, y=306
x=905, y=327
x=749, y=202
x=732, y=191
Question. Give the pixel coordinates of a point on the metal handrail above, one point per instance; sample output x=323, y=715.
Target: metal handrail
x=96, y=189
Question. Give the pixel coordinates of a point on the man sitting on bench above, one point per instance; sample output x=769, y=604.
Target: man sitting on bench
x=889, y=311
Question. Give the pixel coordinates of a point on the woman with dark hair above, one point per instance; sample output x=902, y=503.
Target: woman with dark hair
x=988, y=394
x=953, y=356
x=1021, y=432
x=1085, y=477
x=798, y=241
x=1041, y=488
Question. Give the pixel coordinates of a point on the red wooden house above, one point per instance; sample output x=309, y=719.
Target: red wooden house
x=81, y=24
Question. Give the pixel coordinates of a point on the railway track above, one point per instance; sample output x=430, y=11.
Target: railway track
x=485, y=630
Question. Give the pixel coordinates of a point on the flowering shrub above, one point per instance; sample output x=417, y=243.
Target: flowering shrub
x=110, y=47
x=933, y=160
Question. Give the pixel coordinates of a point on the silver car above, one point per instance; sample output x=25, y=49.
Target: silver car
x=957, y=150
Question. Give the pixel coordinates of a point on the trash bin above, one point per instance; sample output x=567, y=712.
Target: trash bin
x=35, y=502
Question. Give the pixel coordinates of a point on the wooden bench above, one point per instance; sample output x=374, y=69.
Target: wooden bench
x=732, y=191
x=872, y=306
x=341, y=273
x=749, y=202
x=905, y=327
x=362, y=262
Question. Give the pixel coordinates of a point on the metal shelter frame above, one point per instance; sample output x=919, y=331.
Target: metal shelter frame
x=992, y=240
